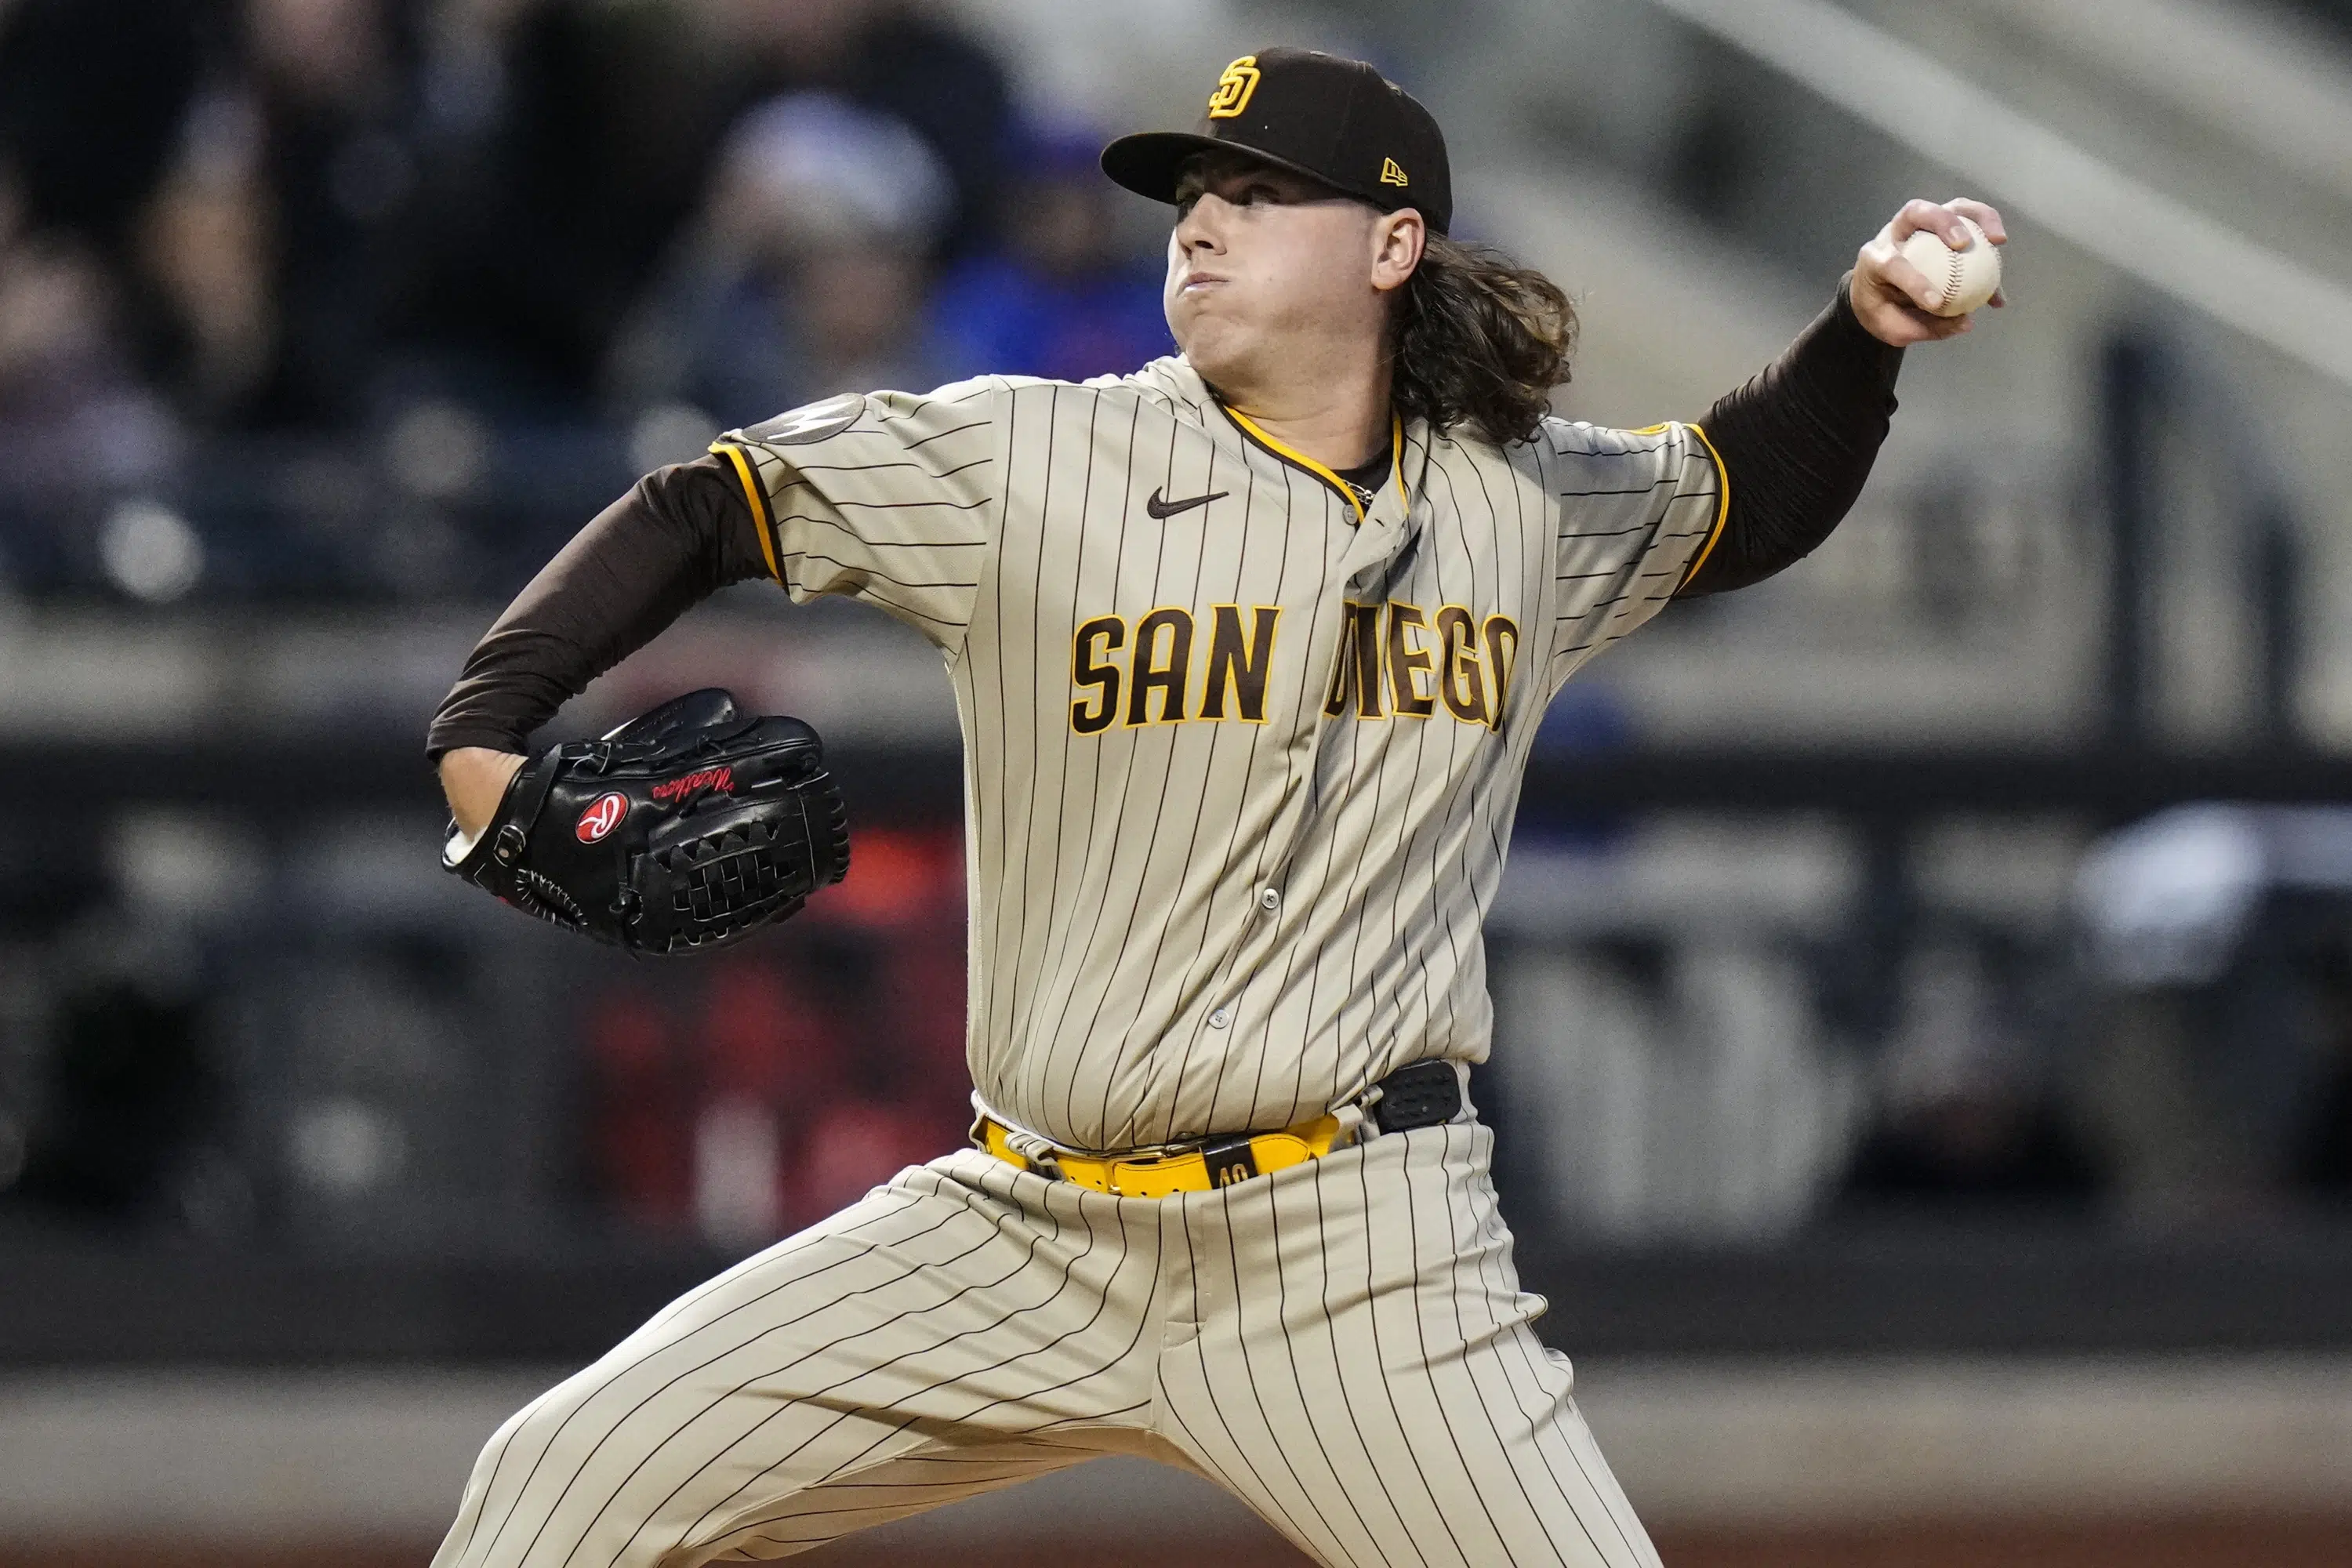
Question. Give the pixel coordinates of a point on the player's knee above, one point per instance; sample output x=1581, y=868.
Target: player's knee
x=492, y=1531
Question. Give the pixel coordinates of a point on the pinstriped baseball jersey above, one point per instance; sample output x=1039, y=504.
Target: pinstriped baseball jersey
x=1242, y=746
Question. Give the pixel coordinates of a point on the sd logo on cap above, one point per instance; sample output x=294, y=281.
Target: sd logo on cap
x=1233, y=89
x=1332, y=119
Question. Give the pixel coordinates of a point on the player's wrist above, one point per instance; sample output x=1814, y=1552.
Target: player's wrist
x=1851, y=339
x=475, y=780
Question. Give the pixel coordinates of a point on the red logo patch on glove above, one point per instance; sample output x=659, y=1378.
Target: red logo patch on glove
x=603, y=815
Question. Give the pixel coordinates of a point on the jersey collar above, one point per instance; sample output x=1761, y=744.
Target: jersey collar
x=1298, y=459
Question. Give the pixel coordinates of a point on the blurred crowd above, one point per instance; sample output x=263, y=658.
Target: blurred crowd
x=2164, y=1044
x=379, y=1068
x=370, y=1071
x=746, y=1099
x=260, y=258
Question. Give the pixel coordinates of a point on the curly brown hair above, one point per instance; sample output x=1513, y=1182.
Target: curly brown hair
x=1480, y=342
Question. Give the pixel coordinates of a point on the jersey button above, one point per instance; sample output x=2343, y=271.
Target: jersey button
x=1220, y=1018
x=1270, y=901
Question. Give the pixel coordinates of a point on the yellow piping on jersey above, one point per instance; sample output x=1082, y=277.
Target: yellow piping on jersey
x=1722, y=507
x=1293, y=455
x=759, y=502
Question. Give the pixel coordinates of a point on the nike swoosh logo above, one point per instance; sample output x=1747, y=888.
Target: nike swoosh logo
x=1167, y=508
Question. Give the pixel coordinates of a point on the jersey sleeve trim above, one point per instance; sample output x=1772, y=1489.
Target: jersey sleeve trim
x=762, y=523
x=1722, y=507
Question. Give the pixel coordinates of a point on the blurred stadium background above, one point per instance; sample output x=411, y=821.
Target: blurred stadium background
x=1926, y=981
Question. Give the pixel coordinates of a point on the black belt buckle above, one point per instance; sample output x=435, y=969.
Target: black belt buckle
x=1426, y=1094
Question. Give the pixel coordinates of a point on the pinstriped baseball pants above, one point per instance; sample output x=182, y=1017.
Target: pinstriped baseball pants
x=1342, y=1345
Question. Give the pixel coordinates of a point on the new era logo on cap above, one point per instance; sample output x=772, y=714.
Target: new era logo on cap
x=1337, y=121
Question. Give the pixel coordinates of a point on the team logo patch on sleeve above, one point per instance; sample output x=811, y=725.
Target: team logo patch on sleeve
x=818, y=421
x=603, y=815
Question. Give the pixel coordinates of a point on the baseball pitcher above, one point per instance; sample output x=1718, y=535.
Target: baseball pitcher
x=1249, y=649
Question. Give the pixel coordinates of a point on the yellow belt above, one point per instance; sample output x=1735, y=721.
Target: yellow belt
x=1218, y=1162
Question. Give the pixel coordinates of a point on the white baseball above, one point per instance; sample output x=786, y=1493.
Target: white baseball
x=1958, y=281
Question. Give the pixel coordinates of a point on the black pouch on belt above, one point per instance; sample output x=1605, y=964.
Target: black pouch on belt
x=1426, y=1094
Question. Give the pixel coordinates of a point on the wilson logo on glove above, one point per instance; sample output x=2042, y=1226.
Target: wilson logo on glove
x=719, y=780
x=603, y=815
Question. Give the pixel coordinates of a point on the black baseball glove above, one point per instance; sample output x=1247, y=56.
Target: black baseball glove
x=682, y=830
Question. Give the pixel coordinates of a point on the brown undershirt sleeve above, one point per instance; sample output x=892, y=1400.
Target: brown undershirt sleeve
x=1796, y=444
x=679, y=536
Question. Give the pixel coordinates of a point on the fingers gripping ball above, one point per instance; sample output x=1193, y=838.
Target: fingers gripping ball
x=1961, y=280
x=682, y=830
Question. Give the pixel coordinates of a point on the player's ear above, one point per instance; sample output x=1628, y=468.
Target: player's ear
x=1397, y=241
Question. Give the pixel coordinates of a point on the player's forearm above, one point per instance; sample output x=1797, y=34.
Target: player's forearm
x=677, y=537
x=1797, y=443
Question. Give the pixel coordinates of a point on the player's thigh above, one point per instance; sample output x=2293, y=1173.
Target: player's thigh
x=930, y=1309
x=905, y=1474
x=867, y=1471
x=1367, y=1452
x=1368, y=1381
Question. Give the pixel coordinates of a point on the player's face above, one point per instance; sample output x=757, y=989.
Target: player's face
x=1264, y=262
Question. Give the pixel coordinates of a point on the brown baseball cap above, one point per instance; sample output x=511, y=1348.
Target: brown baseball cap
x=1337, y=121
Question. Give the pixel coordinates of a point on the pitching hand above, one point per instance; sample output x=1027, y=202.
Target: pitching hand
x=1890, y=295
